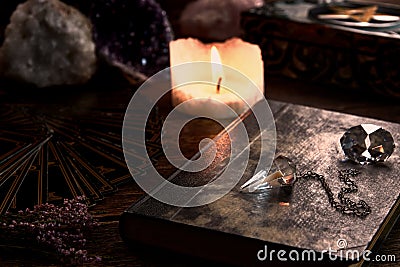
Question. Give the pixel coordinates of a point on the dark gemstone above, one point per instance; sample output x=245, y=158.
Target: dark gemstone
x=367, y=143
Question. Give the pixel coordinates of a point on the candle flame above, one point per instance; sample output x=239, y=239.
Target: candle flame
x=217, y=71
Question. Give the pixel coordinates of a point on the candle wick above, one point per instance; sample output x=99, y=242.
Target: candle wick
x=219, y=84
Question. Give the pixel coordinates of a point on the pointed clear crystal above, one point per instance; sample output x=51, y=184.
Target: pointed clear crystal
x=367, y=143
x=282, y=173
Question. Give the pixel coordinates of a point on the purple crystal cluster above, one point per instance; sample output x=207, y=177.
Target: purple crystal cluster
x=134, y=33
x=59, y=229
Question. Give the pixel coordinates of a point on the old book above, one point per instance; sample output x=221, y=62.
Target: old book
x=244, y=228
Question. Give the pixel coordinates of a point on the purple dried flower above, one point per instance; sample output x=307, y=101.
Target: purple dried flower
x=56, y=228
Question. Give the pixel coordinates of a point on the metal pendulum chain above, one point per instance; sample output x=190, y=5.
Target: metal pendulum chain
x=345, y=205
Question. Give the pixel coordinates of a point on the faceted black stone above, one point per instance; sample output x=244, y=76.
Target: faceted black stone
x=367, y=143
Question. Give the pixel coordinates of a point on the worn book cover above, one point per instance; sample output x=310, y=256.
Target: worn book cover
x=243, y=228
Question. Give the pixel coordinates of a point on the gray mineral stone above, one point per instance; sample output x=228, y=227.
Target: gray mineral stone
x=48, y=43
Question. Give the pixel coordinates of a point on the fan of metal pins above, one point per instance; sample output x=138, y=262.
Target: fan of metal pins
x=345, y=205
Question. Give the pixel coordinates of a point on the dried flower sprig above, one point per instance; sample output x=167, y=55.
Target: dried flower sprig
x=59, y=229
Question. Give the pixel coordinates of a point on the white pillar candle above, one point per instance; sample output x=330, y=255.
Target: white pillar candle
x=236, y=56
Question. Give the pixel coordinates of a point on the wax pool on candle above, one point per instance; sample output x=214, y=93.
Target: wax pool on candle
x=241, y=76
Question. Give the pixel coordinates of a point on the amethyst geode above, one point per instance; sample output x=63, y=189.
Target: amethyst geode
x=130, y=33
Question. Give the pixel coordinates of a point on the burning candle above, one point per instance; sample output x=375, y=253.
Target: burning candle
x=217, y=70
x=235, y=78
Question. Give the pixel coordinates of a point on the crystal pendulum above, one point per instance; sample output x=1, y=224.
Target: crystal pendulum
x=282, y=173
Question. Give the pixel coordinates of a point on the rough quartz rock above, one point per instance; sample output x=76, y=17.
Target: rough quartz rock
x=48, y=43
